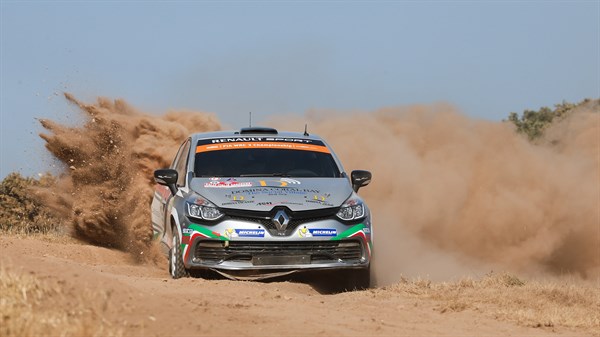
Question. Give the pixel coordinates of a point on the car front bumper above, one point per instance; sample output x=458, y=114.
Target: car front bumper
x=246, y=246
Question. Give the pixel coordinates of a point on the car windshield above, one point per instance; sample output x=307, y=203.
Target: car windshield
x=263, y=162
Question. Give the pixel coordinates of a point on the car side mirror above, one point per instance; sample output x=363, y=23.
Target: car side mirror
x=360, y=178
x=167, y=177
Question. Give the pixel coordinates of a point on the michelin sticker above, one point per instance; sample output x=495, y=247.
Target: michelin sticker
x=314, y=232
x=244, y=233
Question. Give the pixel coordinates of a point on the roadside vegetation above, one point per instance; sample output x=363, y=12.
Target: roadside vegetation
x=21, y=211
x=532, y=123
x=29, y=307
x=549, y=304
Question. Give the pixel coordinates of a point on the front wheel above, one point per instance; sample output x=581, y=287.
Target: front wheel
x=176, y=267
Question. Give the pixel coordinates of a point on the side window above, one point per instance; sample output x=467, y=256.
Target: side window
x=174, y=163
x=180, y=162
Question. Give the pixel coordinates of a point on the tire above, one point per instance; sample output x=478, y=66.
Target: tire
x=359, y=279
x=176, y=267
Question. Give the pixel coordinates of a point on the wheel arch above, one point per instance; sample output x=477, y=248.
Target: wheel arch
x=174, y=225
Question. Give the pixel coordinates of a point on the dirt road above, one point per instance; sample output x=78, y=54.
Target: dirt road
x=142, y=300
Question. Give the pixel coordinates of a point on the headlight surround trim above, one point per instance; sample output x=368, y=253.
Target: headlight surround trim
x=201, y=208
x=352, y=209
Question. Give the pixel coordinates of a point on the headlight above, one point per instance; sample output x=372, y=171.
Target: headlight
x=202, y=209
x=352, y=209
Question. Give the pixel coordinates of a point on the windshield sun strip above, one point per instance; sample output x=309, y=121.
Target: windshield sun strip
x=261, y=145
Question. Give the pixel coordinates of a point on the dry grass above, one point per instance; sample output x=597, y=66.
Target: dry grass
x=21, y=212
x=569, y=304
x=28, y=307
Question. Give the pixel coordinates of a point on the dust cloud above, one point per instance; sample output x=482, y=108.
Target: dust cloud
x=450, y=195
x=106, y=189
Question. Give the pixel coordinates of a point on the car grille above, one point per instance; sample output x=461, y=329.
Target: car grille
x=296, y=218
x=210, y=251
x=270, y=226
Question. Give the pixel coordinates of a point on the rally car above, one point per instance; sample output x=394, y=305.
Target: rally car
x=258, y=203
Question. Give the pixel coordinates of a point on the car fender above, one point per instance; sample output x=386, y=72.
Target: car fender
x=175, y=219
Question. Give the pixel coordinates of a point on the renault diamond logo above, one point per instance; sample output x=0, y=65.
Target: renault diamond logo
x=281, y=220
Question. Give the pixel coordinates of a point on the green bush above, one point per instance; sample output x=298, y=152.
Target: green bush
x=533, y=123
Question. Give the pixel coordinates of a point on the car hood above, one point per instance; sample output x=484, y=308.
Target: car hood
x=262, y=194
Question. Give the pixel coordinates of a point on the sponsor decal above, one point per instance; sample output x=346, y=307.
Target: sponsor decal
x=323, y=231
x=187, y=231
x=237, y=202
x=290, y=181
x=282, y=182
x=261, y=145
x=277, y=203
x=231, y=233
x=229, y=183
x=305, y=232
x=259, y=139
x=244, y=233
x=238, y=199
x=236, y=143
x=254, y=233
x=276, y=191
x=320, y=199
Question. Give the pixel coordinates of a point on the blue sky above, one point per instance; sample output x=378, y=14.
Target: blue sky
x=486, y=57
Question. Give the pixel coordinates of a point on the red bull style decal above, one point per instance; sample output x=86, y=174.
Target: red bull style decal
x=360, y=231
x=229, y=183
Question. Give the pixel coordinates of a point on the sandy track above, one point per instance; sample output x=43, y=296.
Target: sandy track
x=144, y=301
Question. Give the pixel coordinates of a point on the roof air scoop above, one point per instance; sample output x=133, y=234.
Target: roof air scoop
x=258, y=130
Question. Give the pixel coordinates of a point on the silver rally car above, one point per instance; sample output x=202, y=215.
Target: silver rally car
x=259, y=203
